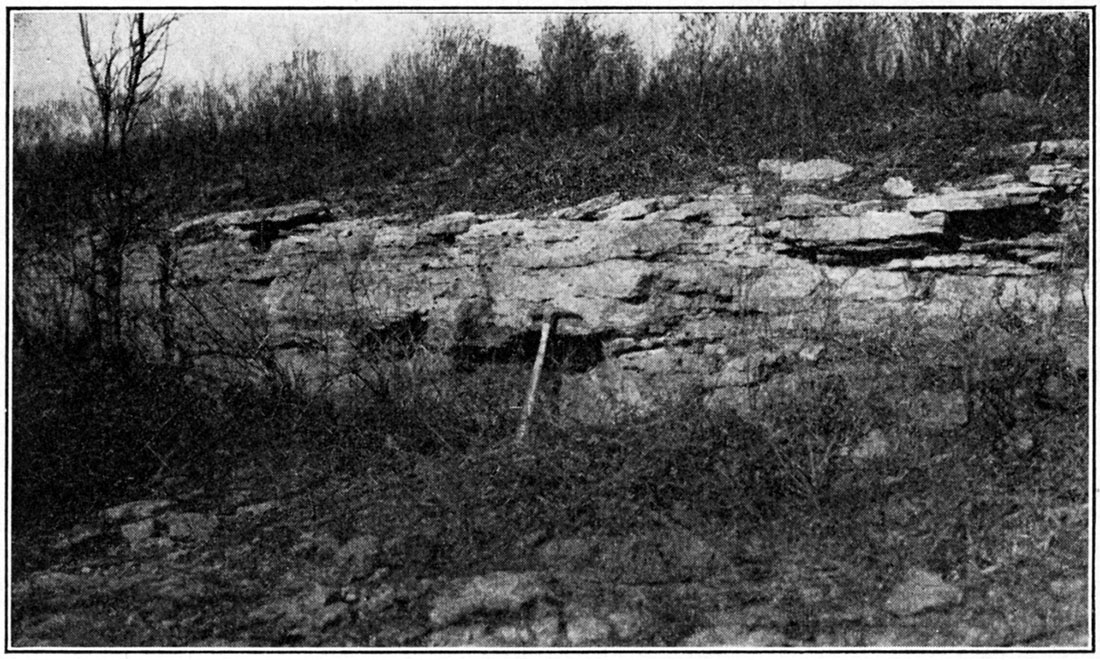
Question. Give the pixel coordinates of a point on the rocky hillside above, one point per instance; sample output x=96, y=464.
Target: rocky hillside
x=884, y=474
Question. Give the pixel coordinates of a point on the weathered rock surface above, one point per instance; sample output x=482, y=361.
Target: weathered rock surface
x=1060, y=175
x=661, y=292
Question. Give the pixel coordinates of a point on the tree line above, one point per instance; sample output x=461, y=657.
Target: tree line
x=743, y=64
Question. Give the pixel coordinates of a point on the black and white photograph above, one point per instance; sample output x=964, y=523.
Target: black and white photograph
x=501, y=329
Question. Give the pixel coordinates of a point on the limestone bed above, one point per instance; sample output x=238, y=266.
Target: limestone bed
x=710, y=290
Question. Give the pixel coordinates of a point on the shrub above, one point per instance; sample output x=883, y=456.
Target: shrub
x=685, y=466
x=89, y=429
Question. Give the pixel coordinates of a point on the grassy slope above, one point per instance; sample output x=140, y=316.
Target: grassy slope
x=638, y=154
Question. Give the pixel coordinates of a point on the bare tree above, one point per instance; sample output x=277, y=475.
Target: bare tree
x=124, y=78
x=699, y=40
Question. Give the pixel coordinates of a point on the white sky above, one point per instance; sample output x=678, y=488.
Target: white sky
x=47, y=61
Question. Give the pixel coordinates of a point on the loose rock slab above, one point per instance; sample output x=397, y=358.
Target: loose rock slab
x=819, y=169
x=501, y=591
x=1014, y=194
x=1057, y=175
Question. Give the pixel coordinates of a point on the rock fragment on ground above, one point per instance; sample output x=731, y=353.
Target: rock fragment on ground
x=819, y=169
x=359, y=554
x=920, y=591
x=898, y=187
x=139, y=532
x=874, y=445
x=136, y=510
x=500, y=591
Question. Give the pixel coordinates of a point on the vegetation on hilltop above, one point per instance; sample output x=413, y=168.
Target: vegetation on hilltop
x=462, y=122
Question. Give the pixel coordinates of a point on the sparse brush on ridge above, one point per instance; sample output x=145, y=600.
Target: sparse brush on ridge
x=313, y=126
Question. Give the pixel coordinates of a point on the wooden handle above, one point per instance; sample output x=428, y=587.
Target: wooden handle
x=536, y=372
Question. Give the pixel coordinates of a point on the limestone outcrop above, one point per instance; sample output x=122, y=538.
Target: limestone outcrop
x=709, y=290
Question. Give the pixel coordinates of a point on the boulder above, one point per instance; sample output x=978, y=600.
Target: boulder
x=899, y=187
x=1057, y=175
x=819, y=169
x=874, y=445
x=920, y=591
x=774, y=166
x=1071, y=148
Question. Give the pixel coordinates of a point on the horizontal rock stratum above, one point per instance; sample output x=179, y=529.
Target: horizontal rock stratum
x=710, y=289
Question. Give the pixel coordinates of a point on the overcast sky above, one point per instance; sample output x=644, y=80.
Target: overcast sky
x=47, y=61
